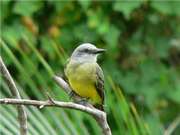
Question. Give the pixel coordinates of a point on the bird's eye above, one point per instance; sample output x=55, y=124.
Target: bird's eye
x=86, y=50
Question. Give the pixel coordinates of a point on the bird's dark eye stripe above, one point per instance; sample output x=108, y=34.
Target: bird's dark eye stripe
x=86, y=50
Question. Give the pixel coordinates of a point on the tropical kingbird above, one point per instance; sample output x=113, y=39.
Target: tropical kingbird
x=85, y=76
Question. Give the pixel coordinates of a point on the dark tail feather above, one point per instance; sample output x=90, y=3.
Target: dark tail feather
x=100, y=107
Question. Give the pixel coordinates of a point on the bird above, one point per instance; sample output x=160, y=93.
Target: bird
x=85, y=76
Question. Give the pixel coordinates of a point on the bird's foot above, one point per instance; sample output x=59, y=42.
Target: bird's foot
x=72, y=94
x=82, y=101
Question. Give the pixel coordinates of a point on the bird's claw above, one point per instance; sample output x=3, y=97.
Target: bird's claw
x=82, y=101
x=71, y=94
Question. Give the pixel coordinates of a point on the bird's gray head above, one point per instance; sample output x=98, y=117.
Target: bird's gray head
x=86, y=53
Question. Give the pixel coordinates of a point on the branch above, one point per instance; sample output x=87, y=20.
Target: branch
x=49, y=103
x=100, y=116
x=172, y=126
x=22, y=116
x=63, y=84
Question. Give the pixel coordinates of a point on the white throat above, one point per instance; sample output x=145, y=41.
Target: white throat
x=84, y=58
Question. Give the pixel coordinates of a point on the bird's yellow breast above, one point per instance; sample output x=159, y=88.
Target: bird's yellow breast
x=82, y=79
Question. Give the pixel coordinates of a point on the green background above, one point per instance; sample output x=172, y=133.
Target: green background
x=141, y=65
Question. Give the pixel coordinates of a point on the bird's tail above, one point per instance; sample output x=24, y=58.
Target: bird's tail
x=99, y=106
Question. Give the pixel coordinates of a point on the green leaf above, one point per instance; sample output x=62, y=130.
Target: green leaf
x=4, y=12
x=13, y=34
x=167, y=7
x=126, y=6
x=162, y=47
x=85, y=3
x=83, y=33
x=97, y=20
x=174, y=92
x=59, y=5
x=27, y=8
x=93, y=18
x=129, y=78
x=111, y=37
x=154, y=125
x=46, y=45
x=103, y=28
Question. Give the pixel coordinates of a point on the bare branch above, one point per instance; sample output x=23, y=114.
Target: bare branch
x=65, y=86
x=100, y=116
x=172, y=126
x=48, y=103
x=22, y=116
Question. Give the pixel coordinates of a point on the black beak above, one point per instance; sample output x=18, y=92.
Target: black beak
x=99, y=50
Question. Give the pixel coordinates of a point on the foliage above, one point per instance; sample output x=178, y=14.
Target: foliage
x=142, y=61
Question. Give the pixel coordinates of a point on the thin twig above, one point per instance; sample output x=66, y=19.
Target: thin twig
x=172, y=126
x=22, y=116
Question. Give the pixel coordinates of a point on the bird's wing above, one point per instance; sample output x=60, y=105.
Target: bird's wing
x=100, y=82
x=64, y=75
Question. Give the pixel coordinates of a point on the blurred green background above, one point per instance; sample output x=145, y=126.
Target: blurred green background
x=141, y=66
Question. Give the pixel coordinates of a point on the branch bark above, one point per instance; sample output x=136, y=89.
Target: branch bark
x=172, y=126
x=65, y=86
x=98, y=115
x=22, y=116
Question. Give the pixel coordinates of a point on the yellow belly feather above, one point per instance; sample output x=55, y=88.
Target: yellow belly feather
x=82, y=80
